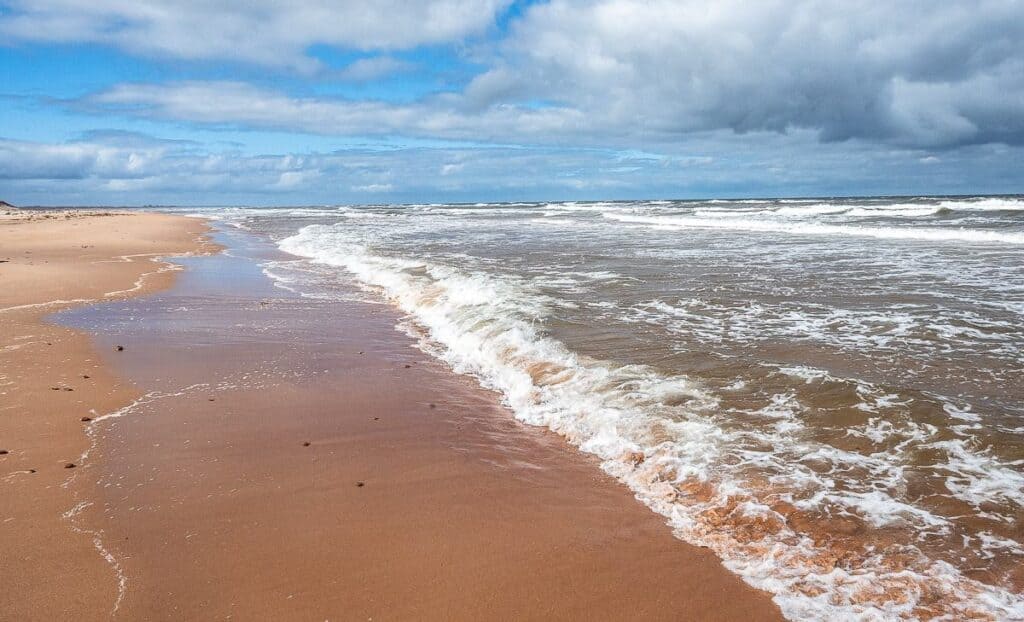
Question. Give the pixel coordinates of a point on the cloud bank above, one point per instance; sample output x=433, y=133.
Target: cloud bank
x=914, y=74
x=912, y=86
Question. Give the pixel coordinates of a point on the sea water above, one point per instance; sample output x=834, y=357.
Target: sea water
x=827, y=393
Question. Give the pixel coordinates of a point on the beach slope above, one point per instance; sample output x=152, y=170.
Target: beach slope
x=50, y=379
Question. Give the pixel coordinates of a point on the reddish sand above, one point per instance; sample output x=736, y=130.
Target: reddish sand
x=212, y=505
x=47, y=570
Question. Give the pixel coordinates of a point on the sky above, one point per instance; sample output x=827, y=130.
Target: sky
x=263, y=102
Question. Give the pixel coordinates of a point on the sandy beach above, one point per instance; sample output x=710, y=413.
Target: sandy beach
x=254, y=454
x=52, y=378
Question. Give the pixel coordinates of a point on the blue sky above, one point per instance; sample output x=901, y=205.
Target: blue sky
x=113, y=102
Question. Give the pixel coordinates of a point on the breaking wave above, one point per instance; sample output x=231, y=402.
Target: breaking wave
x=786, y=513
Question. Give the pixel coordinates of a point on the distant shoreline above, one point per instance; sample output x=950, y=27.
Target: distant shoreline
x=173, y=206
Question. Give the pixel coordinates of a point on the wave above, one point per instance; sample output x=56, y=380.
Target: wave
x=664, y=437
x=828, y=209
x=860, y=210
x=933, y=234
x=985, y=205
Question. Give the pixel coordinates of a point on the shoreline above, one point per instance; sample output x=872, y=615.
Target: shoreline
x=52, y=379
x=298, y=458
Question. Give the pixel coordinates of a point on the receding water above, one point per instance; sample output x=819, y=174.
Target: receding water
x=830, y=394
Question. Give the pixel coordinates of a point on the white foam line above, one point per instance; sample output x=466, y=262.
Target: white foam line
x=49, y=303
x=933, y=234
x=72, y=514
x=148, y=398
x=97, y=542
x=167, y=266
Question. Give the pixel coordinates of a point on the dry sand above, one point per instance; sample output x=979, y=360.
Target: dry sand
x=296, y=460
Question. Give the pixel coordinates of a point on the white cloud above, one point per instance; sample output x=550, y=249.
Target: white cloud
x=373, y=188
x=910, y=72
x=137, y=170
x=238, y=104
x=268, y=32
x=289, y=180
x=675, y=95
x=366, y=69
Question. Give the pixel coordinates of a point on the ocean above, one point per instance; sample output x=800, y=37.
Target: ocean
x=828, y=393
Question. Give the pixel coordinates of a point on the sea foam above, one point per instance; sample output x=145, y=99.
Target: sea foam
x=931, y=234
x=665, y=437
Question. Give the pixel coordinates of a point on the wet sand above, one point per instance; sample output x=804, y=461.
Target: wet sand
x=50, y=377
x=294, y=459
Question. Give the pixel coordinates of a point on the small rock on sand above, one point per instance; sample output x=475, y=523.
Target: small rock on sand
x=4, y=452
x=69, y=465
x=360, y=484
x=119, y=348
x=306, y=444
x=433, y=405
x=86, y=419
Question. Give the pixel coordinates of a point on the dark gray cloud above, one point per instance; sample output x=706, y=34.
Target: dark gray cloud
x=910, y=72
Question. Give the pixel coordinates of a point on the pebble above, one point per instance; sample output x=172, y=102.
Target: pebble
x=306, y=444
x=360, y=484
x=69, y=465
x=86, y=419
x=4, y=452
x=119, y=348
